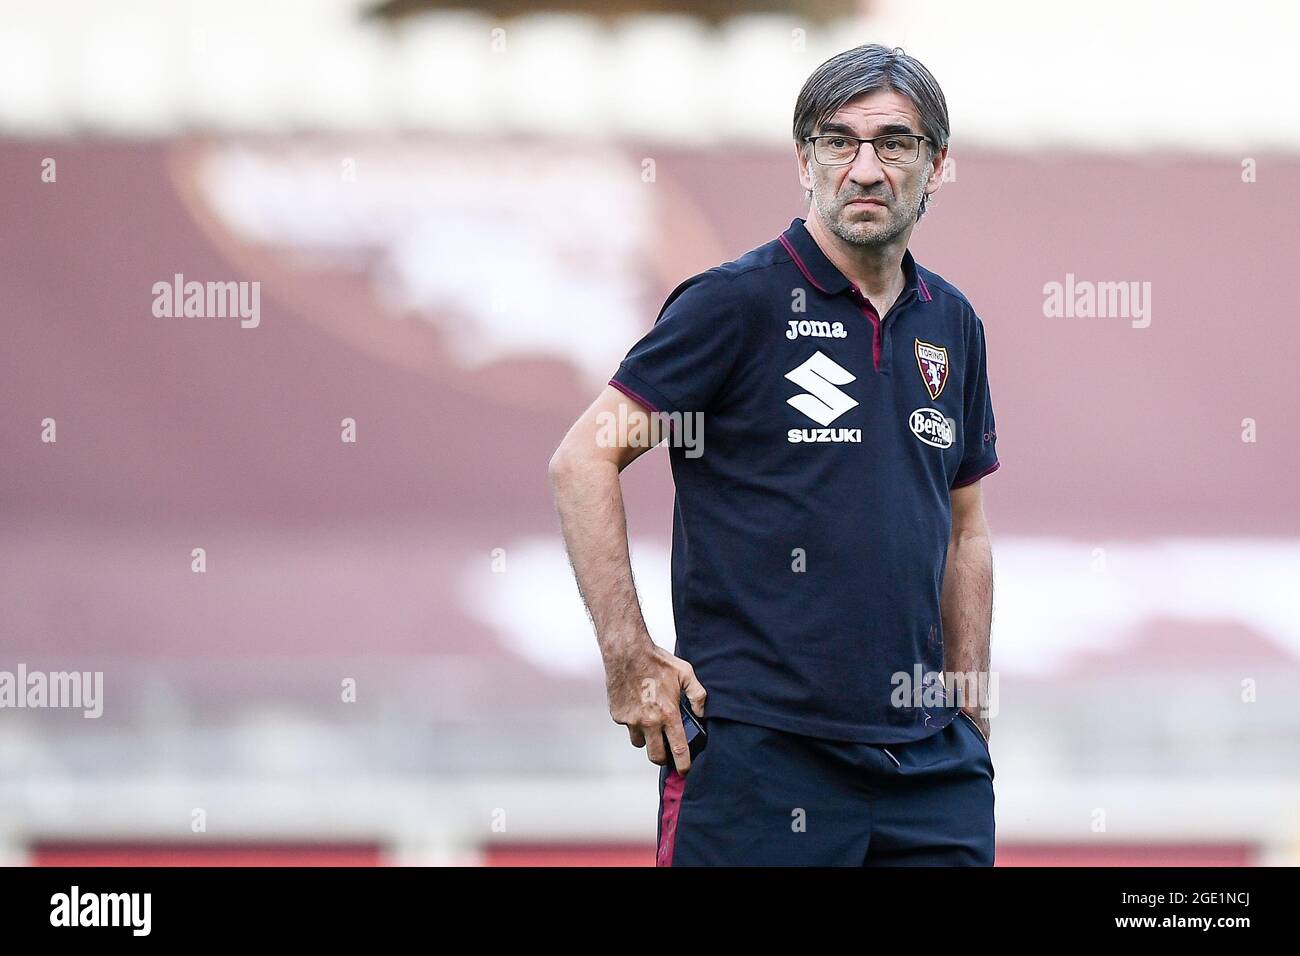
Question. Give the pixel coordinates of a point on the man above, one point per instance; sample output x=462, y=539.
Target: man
x=830, y=554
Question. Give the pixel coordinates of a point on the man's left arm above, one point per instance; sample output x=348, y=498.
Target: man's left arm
x=966, y=601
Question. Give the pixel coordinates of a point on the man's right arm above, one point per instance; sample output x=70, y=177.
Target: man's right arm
x=644, y=682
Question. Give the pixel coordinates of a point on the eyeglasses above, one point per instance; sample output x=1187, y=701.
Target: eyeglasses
x=892, y=149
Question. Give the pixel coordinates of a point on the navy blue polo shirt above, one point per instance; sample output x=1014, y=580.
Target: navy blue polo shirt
x=810, y=536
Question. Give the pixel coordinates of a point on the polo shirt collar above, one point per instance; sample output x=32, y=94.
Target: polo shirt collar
x=823, y=274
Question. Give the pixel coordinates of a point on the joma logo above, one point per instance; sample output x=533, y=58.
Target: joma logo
x=825, y=330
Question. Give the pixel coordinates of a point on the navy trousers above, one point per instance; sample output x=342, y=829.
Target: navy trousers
x=757, y=796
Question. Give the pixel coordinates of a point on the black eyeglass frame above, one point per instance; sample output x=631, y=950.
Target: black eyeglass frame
x=872, y=140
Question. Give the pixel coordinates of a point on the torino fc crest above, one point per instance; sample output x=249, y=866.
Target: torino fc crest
x=933, y=363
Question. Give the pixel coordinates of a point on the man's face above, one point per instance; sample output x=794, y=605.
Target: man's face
x=866, y=202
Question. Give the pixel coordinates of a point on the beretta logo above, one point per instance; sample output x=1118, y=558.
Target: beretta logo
x=929, y=425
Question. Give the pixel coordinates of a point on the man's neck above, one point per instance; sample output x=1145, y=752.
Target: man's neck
x=877, y=271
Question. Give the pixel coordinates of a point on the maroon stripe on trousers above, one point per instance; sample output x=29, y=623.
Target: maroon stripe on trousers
x=672, y=803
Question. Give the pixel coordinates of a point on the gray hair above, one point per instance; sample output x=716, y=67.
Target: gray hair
x=866, y=69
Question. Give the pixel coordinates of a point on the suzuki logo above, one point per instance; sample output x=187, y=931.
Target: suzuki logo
x=823, y=402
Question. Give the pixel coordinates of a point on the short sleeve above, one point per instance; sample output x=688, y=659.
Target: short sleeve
x=682, y=362
x=979, y=431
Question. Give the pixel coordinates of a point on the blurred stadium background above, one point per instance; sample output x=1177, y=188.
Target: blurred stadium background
x=461, y=216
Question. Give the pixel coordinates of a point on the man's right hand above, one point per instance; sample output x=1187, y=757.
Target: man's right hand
x=644, y=689
x=645, y=683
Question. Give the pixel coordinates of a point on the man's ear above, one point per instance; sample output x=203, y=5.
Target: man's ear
x=805, y=171
x=936, y=171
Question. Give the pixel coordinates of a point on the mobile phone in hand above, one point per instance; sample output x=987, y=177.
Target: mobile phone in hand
x=696, y=735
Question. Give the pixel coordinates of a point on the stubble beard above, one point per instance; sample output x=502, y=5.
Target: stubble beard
x=865, y=232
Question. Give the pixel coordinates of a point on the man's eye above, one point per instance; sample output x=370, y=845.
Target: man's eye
x=891, y=143
x=838, y=142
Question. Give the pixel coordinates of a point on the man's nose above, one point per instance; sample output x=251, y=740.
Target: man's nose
x=866, y=169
